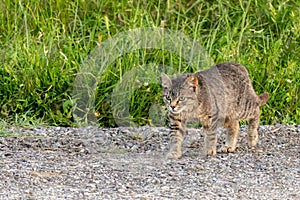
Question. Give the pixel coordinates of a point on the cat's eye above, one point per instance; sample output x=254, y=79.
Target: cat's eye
x=168, y=97
x=181, y=99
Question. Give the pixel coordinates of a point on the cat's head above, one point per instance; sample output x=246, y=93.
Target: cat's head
x=180, y=93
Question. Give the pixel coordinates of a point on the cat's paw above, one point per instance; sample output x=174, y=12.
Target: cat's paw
x=227, y=149
x=211, y=152
x=174, y=154
x=252, y=141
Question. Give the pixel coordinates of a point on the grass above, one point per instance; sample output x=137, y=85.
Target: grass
x=43, y=45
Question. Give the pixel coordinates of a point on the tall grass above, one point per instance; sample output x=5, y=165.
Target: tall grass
x=43, y=44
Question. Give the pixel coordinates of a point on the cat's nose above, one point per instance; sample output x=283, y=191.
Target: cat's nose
x=173, y=107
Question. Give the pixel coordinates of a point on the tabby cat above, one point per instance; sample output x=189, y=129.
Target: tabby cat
x=220, y=96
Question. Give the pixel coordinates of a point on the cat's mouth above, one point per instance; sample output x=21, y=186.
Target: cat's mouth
x=175, y=110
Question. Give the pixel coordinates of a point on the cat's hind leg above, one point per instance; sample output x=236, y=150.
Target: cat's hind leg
x=232, y=135
x=253, y=131
x=253, y=128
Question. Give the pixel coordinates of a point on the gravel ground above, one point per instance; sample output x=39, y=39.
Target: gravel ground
x=129, y=163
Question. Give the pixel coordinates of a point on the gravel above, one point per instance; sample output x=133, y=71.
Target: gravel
x=129, y=163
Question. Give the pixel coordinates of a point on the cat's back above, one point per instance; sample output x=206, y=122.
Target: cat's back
x=230, y=81
x=232, y=75
x=225, y=70
x=231, y=70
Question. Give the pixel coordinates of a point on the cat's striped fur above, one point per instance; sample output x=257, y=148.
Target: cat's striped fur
x=220, y=96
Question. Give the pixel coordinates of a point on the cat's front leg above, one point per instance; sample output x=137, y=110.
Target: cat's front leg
x=210, y=147
x=175, y=147
x=178, y=131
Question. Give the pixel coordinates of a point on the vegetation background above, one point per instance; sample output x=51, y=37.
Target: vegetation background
x=44, y=42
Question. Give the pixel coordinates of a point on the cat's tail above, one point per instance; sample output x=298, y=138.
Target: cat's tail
x=263, y=98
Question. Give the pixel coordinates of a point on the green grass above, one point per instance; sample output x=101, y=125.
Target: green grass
x=44, y=43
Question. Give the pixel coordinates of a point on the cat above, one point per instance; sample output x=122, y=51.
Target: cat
x=220, y=96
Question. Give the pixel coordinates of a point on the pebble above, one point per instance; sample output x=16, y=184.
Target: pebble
x=129, y=163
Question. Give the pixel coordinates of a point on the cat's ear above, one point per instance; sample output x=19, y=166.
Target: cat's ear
x=192, y=82
x=166, y=81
